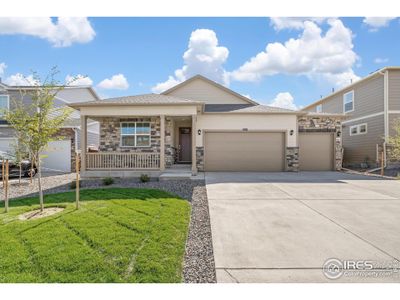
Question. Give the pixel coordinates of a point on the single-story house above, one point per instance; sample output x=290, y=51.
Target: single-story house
x=209, y=127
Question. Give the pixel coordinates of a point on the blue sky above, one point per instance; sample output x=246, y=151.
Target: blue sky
x=143, y=52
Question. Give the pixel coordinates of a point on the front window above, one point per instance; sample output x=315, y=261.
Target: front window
x=4, y=104
x=319, y=108
x=348, y=102
x=135, y=134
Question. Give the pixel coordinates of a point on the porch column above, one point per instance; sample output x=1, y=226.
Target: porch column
x=194, y=132
x=162, y=143
x=83, y=142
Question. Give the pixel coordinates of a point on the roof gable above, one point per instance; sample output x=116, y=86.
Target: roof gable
x=200, y=88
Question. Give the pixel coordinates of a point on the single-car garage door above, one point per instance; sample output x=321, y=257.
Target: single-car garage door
x=244, y=151
x=315, y=151
x=6, y=144
x=58, y=156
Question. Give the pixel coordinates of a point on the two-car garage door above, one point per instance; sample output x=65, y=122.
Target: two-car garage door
x=265, y=151
x=244, y=151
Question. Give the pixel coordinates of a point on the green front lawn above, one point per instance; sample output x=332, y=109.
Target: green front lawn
x=118, y=235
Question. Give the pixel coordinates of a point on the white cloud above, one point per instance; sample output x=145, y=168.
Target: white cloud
x=313, y=54
x=204, y=56
x=78, y=80
x=3, y=66
x=375, y=23
x=62, y=33
x=284, y=100
x=19, y=79
x=380, y=60
x=116, y=82
x=280, y=23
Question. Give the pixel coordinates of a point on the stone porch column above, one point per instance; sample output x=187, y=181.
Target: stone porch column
x=194, y=132
x=162, y=142
x=83, y=142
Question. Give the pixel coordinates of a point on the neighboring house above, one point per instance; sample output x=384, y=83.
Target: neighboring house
x=371, y=105
x=60, y=154
x=209, y=127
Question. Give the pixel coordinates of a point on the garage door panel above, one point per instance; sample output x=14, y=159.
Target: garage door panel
x=57, y=156
x=244, y=151
x=316, y=151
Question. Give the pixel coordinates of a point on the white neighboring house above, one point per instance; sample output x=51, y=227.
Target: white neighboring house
x=60, y=155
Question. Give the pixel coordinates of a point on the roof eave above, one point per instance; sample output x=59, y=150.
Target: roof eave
x=88, y=104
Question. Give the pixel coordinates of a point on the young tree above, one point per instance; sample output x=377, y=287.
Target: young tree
x=20, y=152
x=394, y=141
x=40, y=121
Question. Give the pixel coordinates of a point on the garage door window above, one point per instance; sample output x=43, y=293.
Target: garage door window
x=135, y=134
x=4, y=104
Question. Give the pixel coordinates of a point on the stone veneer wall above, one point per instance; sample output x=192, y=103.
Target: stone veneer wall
x=110, y=136
x=169, y=149
x=69, y=134
x=324, y=124
x=292, y=159
x=200, y=158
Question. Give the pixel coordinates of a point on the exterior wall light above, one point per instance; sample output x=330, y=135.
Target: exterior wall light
x=199, y=132
x=291, y=132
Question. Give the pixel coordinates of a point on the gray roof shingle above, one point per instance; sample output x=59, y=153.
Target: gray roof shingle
x=139, y=99
x=245, y=108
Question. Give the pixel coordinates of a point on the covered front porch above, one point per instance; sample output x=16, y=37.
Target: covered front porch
x=137, y=142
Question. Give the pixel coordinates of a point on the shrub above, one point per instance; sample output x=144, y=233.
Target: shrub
x=144, y=178
x=108, y=181
x=72, y=185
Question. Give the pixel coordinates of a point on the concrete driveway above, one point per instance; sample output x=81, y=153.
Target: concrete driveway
x=282, y=227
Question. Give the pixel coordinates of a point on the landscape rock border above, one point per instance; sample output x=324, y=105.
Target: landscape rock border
x=199, y=266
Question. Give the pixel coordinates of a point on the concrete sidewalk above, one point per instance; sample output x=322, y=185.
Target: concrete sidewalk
x=282, y=227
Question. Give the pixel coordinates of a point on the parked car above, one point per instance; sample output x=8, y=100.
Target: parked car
x=13, y=166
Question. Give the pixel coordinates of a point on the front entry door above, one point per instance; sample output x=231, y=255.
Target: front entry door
x=185, y=144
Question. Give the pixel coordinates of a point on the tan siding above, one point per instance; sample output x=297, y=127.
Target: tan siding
x=368, y=99
x=394, y=90
x=392, y=121
x=358, y=147
x=201, y=90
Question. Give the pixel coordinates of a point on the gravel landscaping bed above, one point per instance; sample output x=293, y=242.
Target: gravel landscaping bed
x=61, y=183
x=199, y=264
x=199, y=258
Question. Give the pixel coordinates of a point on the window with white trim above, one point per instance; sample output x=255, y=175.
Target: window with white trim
x=318, y=108
x=135, y=134
x=358, y=129
x=4, y=104
x=348, y=102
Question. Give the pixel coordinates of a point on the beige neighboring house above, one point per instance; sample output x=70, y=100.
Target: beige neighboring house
x=371, y=105
x=205, y=126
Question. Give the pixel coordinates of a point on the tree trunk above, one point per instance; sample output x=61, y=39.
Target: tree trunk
x=20, y=172
x=40, y=183
x=31, y=174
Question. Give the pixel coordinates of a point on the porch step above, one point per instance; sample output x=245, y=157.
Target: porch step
x=175, y=176
x=180, y=176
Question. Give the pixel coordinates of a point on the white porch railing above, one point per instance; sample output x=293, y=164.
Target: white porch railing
x=122, y=160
